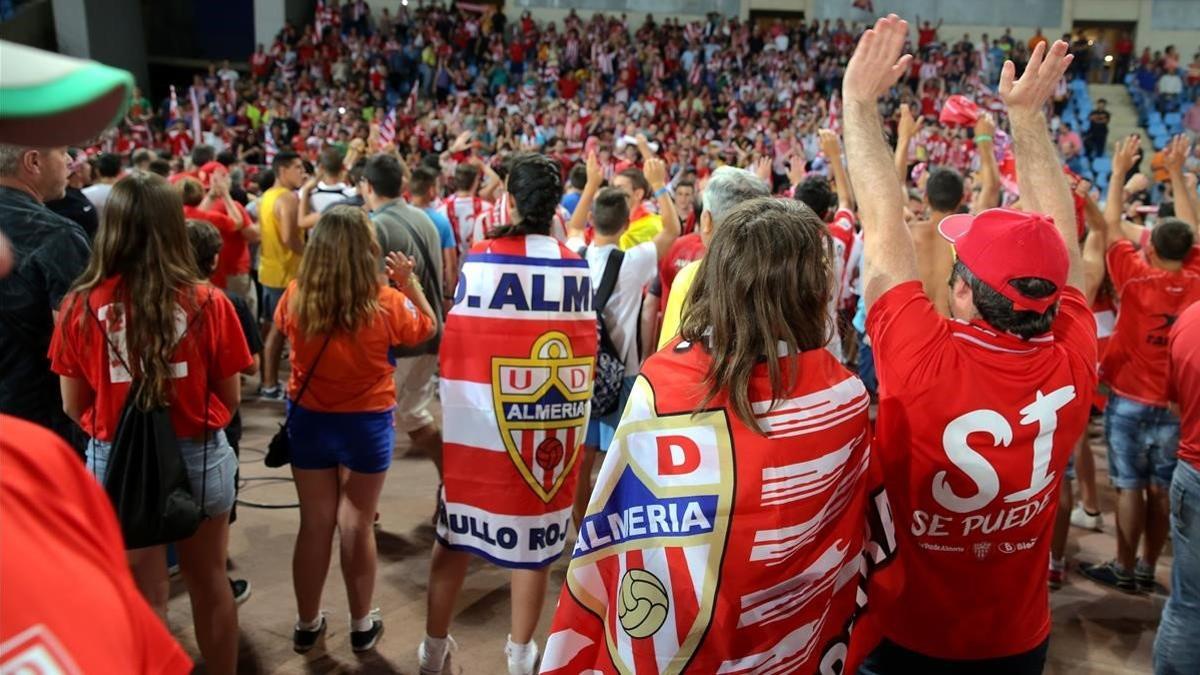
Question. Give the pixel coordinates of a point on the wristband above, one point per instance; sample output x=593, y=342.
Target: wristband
x=664, y=190
x=981, y=138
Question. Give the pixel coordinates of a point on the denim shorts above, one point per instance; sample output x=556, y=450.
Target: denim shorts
x=270, y=296
x=359, y=441
x=1142, y=441
x=220, y=474
x=600, y=430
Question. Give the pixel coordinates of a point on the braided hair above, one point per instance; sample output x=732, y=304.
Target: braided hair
x=535, y=185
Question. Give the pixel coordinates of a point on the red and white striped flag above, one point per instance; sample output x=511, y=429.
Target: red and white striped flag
x=173, y=107
x=387, y=130
x=319, y=19
x=196, y=130
x=835, y=112
x=410, y=105
x=269, y=144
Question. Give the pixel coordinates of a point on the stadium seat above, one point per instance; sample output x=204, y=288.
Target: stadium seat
x=1102, y=166
x=1173, y=122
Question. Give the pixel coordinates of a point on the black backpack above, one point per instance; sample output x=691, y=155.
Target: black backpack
x=610, y=366
x=147, y=480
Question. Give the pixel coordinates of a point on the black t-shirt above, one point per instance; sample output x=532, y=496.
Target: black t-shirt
x=1099, y=121
x=49, y=252
x=77, y=207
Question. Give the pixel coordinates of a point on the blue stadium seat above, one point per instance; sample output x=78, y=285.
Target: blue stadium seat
x=1174, y=122
x=1160, y=141
x=1101, y=166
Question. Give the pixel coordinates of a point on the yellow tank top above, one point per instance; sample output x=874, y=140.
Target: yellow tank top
x=277, y=264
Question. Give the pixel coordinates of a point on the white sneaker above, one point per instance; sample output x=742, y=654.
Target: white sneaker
x=1085, y=520
x=522, y=659
x=430, y=662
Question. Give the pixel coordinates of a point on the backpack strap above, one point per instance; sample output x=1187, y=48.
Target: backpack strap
x=608, y=281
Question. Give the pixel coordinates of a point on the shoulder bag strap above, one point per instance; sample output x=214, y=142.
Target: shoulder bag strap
x=307, y=378
x=425, y=257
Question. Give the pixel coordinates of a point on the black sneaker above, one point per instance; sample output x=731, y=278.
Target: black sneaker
x=364, y=640
x=241, y=590
x=304, y=640
x=1144, y=577
x=1111, y=575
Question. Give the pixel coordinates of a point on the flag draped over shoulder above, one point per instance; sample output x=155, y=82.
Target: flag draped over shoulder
x=709, y=548
x=516, y=388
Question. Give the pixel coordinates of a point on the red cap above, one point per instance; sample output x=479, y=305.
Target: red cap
x=1000, y=245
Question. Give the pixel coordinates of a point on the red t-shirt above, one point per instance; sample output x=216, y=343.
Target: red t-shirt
x=235, y=250
x=847, y=246
x=355, y=372
x=974, y=432
x=1184, y=382
x=212, y=349
x=1150, y=300
x=686, y=249
x=926, y=36
x=69, y=603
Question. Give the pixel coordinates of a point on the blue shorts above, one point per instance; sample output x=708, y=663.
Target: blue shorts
x=214, y=481
x=359, y=441
x=270, y=297
x=600, y=430
x=1142, y=441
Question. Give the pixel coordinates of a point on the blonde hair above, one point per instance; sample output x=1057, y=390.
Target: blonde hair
x=338, y=284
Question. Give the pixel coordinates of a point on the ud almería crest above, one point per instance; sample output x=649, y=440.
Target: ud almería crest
x=541, y=407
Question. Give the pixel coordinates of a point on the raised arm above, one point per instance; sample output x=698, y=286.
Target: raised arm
x=1043, y=185
x=1095, y=245
x=308, y=215
x=656, y=174
x=989, y=171
x=577, y=225
x=1125, y=155
x=889, y=257
x=832, y=147
x=905, y=131
x=1177, y=153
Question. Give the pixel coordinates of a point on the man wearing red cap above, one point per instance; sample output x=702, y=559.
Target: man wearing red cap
x=978, y=413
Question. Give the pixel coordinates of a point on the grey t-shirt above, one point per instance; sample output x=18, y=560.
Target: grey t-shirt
x=396, y=225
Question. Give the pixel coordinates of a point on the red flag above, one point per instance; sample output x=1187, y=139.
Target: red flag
x=959, y=110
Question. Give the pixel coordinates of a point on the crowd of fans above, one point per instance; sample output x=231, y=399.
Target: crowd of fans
x=364, y=194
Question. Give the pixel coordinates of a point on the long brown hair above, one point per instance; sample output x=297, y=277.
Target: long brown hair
x=143, y=239
x=338, y=284
x=767, y=277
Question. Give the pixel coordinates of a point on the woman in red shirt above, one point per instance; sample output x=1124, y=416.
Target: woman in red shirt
x=341, y=321
x=180, y=338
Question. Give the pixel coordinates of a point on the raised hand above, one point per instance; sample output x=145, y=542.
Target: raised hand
x=985, y=125
x=595, y=174
x=656, y=173
x=796, y=170
x=1177, y=153
x=877, y=63
x=1125, y=155
x=399, y=268
x=909, y=124
x=1036, y=85
x=831, y=146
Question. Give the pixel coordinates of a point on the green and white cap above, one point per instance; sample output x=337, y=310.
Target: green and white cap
x=48, y=99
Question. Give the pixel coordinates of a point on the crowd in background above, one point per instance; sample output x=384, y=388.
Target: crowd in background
x=348, y=194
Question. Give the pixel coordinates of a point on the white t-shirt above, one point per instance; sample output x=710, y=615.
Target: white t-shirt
x=97, y=194
x=625, y=304
x=327, y=195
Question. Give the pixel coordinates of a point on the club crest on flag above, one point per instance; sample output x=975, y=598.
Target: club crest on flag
x=649, y=549
x=541, y=407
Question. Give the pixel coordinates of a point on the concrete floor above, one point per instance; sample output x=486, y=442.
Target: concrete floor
x=1096, y=632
